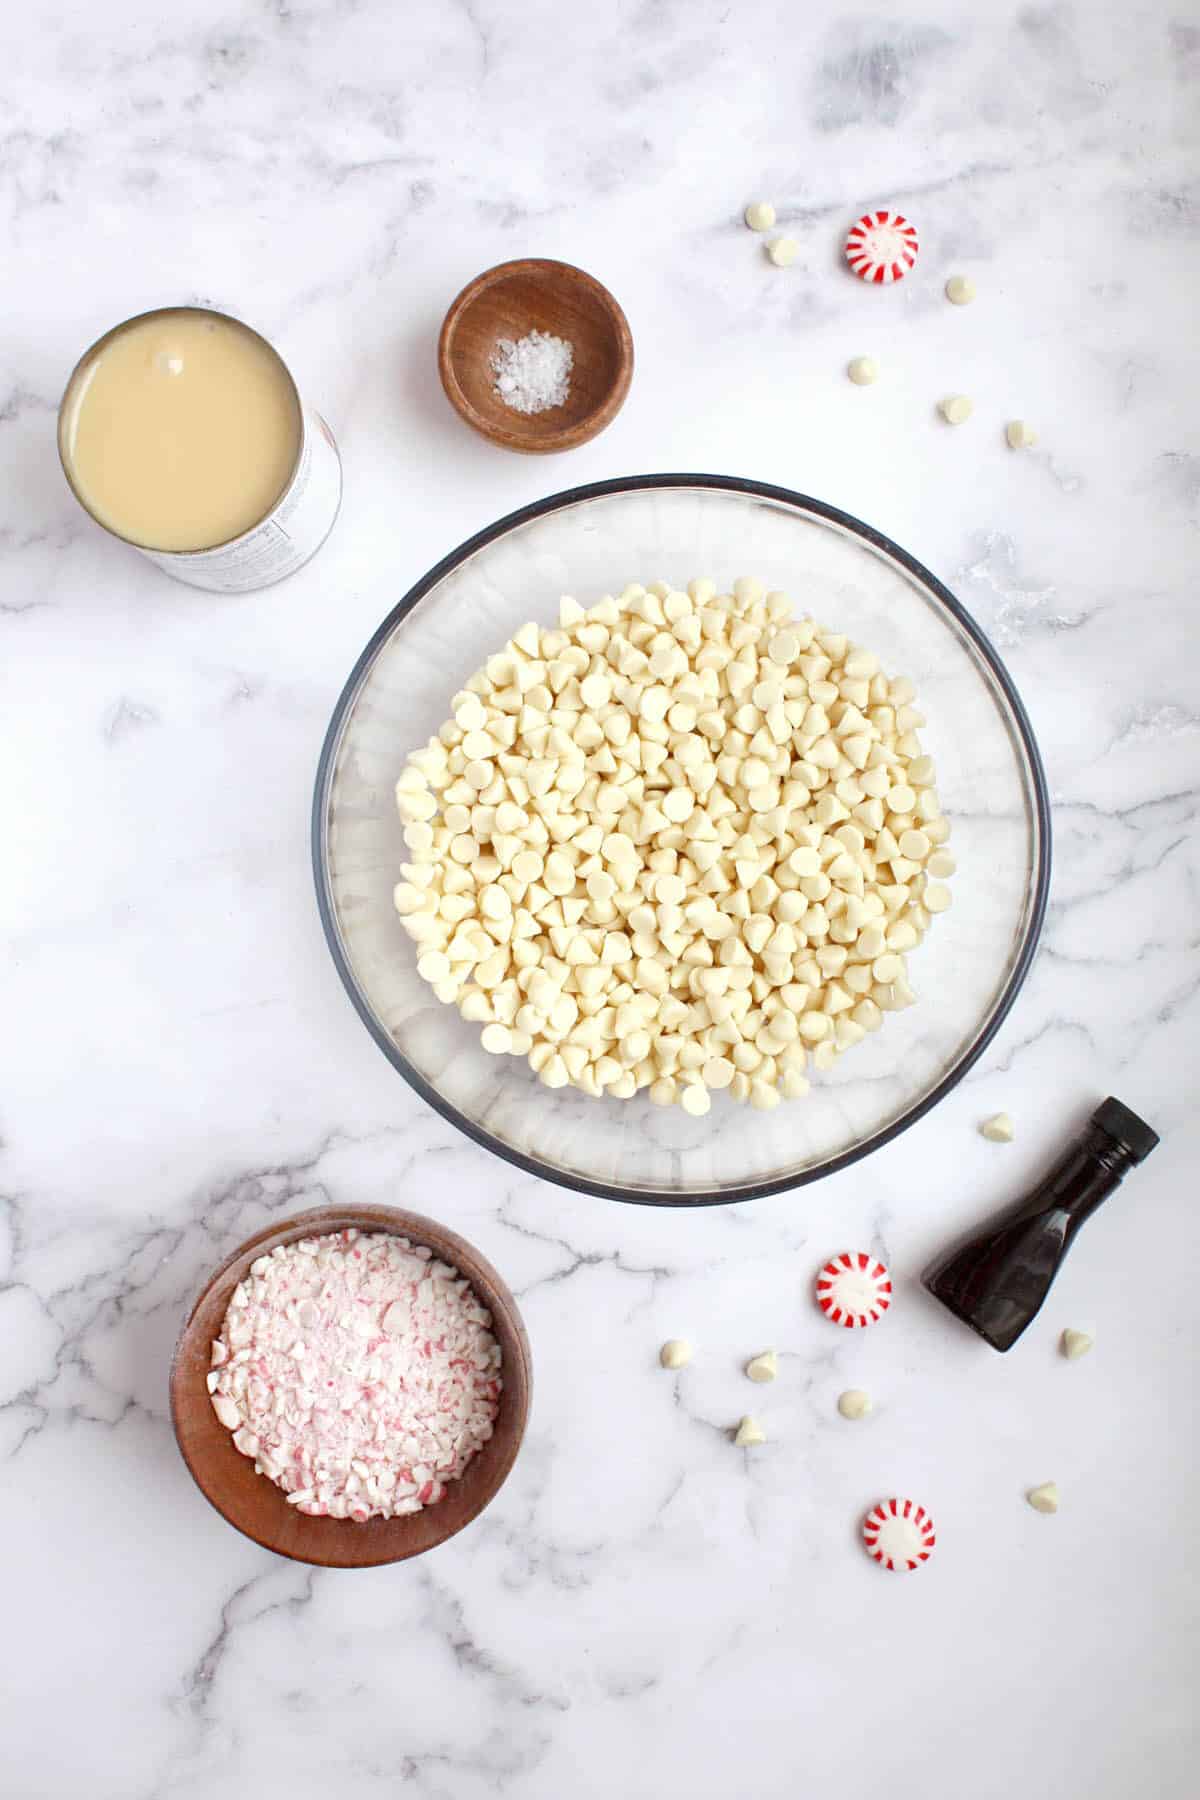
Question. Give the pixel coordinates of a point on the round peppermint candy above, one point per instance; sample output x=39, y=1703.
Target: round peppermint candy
x=854, y=1289
x=882, y=246
x=899, y=1534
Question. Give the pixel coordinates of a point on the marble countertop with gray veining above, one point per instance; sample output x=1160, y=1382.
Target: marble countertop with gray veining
x=643, y=1611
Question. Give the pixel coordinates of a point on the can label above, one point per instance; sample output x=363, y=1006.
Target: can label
x=285, y=539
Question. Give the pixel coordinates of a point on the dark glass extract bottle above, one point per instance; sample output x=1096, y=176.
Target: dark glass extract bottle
x=997, y=1281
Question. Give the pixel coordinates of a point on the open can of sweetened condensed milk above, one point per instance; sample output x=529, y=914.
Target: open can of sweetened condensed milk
x=183, y=433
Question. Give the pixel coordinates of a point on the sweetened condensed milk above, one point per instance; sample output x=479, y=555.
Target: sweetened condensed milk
x=182, y=432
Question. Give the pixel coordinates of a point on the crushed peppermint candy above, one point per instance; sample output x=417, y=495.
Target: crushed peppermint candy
x=359, y=1373
x=533, y=373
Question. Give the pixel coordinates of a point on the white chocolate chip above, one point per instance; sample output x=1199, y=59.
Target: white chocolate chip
x=1075, y=1344
x=783, y=252
x=960, y=290
x=676, y=1353
x=1044, y=1499
x=1020, y=435
x=863, y=370
x=680, y=844
x=998, y=1129
x=854, y=1403
x=956, y=409
x=764, y=1367
x=760, y=215
x=749, y=1433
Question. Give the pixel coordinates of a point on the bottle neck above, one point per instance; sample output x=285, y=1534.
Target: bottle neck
x=1082, y=1179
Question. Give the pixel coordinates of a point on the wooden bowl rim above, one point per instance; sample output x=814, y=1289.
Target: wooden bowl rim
x=551, y=438
x=473, y=1266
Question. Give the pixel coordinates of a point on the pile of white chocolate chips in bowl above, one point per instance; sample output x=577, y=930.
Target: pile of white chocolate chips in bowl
x=683, y=842
x=358, y=1372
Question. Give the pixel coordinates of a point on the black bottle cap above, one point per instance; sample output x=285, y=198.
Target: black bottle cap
x=1133, y=1134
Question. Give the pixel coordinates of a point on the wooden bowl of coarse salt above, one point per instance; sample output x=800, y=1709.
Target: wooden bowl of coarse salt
x=378, y=1313
x=536, y=355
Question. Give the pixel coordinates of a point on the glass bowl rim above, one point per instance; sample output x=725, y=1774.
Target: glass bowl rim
x=855, y=527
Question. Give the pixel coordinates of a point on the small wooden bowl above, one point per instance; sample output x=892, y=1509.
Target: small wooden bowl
x=510, y=301
x=252, y=1502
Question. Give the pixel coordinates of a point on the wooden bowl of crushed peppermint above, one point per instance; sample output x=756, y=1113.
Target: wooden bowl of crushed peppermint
x=351, y=1387
x=536, y=355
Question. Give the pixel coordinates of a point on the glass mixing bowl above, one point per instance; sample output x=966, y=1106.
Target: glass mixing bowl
x=591, y=541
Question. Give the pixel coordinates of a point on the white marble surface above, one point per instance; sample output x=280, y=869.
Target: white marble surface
x=644, y=1611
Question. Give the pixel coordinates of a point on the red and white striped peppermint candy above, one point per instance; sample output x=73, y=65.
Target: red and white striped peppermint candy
x=882, y=246
x=854, y=1289
x=899, y=1534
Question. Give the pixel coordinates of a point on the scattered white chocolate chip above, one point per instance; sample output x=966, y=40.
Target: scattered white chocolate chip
x=1020, y=435
x=749, y=1432
x=960, y=290
x=764, y=1367
x=854, y=1404
x=783, y=252
x=1044, y=1499
x=998, y=1129
x=955, y=409
x=863, y=370
x=1075, y=1344
x=760, y=215
x=676, y=1353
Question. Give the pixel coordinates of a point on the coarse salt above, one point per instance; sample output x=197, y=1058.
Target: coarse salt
x=533, y=373
x=359, y=1373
